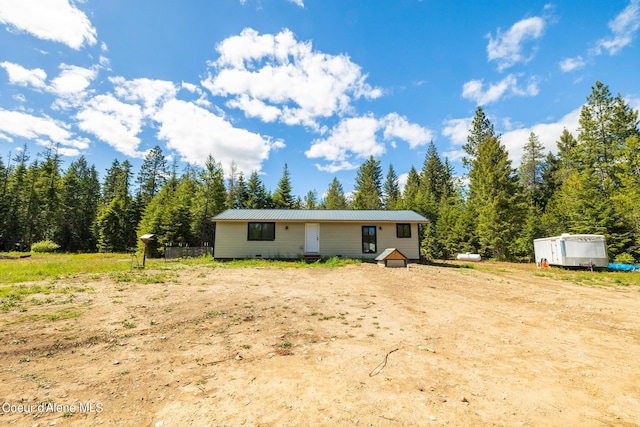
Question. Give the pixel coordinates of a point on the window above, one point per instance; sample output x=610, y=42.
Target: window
x=261, y=231
x=403, y=230
x=369, y=239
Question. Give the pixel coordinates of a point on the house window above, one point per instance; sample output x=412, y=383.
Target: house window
x=403, y=230
x=261, y=231
x=369, y=239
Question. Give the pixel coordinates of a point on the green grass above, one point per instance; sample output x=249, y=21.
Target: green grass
x=52, y=266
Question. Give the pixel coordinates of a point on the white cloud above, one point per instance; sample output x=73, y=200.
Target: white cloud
x=55, y=20
x=623, y=29
x=356, y=135
x=457, y=130
x=43, y=130
x=570, y=64
x=297, y=2
x=195, y=133
x=402, y=180
x=507, y=48
x=397, y=126
x=475, y=89
x=114, y=122
x=548, y=134
x=72, y=80
x=19, y=75
x=151, y=93
x=265, y=74
x=359, y=137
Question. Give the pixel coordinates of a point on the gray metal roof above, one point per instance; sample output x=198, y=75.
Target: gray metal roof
x=320, y=215
x=386, y=253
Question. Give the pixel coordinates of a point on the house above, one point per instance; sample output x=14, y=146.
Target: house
x=294, y=233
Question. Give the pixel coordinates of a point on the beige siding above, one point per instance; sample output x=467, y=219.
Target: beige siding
x=344, y=239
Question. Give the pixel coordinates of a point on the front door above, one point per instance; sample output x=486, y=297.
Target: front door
x=312, y=238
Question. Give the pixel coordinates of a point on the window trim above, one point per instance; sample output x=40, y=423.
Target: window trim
x=375, y=239
x=404, y=227
x=263, y=228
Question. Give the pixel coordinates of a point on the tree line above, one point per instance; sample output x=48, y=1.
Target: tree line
x=591, y=186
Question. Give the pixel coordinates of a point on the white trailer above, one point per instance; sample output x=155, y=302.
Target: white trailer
x=572, y=250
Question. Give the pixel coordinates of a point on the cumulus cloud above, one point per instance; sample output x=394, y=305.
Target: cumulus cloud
x=19, y=75
x=623, y=28
x=508, y=48
x=43, y=130
x=114, y=122
x=359, y=137
x=548, y=134
x=277, y=77
x=195, y=132
x=150, y=93
x=55, y=20
x=475, y=89
x=72, y=80
x=571, y=64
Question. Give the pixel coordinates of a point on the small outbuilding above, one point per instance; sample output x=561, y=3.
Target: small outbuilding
x=391, y=257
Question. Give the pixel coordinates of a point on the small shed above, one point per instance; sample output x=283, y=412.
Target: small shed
x=391, y=257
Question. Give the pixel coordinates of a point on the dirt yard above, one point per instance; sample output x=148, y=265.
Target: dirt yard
x=356, y=345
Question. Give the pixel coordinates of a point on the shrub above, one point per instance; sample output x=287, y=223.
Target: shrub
x=44, y=246
x=624, y=258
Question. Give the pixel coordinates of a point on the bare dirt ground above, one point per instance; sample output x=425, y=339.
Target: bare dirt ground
x=357, y=345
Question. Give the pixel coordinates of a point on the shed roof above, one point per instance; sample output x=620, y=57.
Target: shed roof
x=389, y=251
x=308, y=215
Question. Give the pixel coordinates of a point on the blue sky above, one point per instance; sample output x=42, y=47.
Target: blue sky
x=318, y=84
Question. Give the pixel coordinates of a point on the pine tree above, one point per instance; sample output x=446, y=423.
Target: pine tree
x=152, y=175
x=411, y=189
x=116, y=221
x=80, y=194
x=531, y=168
x=481, y=129
x=311, y=200
x=282, y=198
x=367, y=189
x=494, y=196
x=257, y=197
x=605, y=123
x=391, y=191
x=335, y=198
x=210, y=200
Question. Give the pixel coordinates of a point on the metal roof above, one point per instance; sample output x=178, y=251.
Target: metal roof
x=320, y=215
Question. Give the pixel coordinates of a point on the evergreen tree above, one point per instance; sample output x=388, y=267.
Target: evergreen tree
x=210, y=200
x=367, y=189
x=116, y=221
x=311, y=200
x=4, y=205
x=80, y=195
x=605, y=123
x=627, y=198
x=531, y=169
x=391, y=191
x=335, y=198
x=411, y=189
x=152, y=176
x=257, y=196
x=282, y=198
x=481, y=129
x=494, y=196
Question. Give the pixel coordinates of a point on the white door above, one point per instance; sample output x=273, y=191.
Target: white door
x=312, y=238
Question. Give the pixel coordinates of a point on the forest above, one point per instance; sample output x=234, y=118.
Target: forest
x=590, y=185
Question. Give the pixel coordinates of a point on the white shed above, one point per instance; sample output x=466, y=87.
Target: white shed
x=572, y=250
